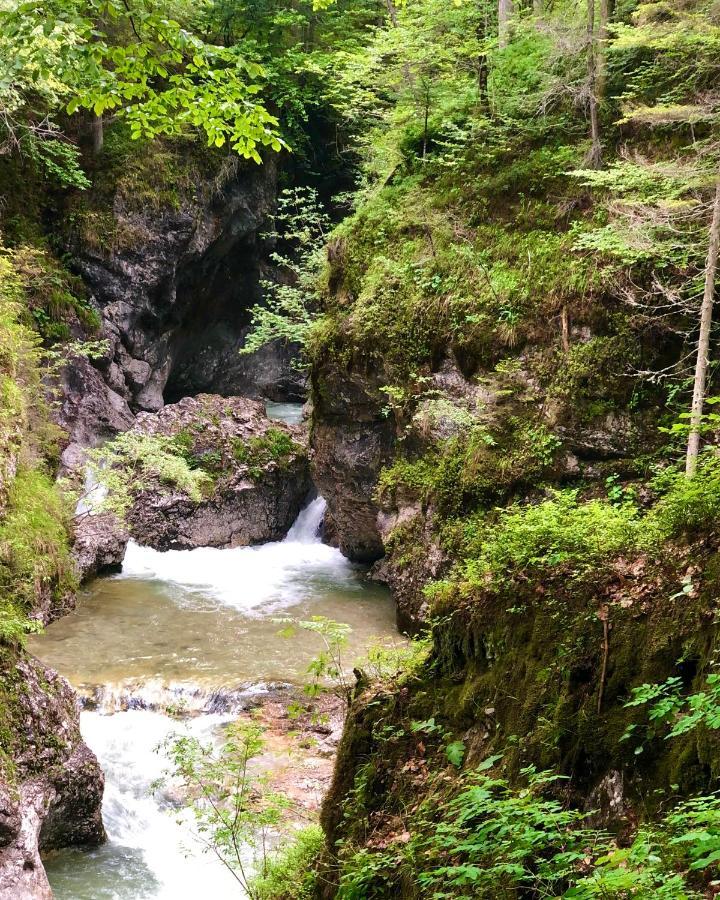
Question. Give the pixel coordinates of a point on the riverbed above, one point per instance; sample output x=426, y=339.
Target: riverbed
x=183, y=641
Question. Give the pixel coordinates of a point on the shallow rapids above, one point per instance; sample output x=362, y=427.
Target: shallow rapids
x=194, y=631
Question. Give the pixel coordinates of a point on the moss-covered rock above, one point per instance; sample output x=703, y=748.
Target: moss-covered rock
x=253, y=473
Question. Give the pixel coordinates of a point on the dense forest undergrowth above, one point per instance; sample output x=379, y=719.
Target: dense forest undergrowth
x=501, y=323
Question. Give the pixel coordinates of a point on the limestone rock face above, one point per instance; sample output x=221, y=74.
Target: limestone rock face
x=51, y=797
x=428, y=561
x=351, y=440
x=173, y=295
x=99, y=547
x=259, y=471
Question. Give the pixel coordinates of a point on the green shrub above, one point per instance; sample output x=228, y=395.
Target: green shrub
x=561, y=531
x=489, y=837
x=276, y=445
x=132, y=460
x=292, y=873
x=34, y=551
x=689, y=504
x=473, y=468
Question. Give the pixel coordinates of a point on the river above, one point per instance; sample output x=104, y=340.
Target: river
x=193, y=632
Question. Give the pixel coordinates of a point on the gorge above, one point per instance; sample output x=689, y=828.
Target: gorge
x=359, y=481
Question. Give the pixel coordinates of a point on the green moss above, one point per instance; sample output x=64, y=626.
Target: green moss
x=591, y=379
x=475, y=468
x=35, y=558
x=417, y=270
x=55, y=299
x=35, y=564
x=139, y=177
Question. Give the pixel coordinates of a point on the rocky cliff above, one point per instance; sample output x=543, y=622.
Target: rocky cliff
x=258, y=476
x=479, y=433
x=172, y=247
x=50, y=783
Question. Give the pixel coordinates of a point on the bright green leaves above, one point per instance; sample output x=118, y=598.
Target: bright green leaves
x=234, y=811
x=328, y=669
x=290, y=308
x=134, y=62
x=655, y=212
x=455, y=752
x=672, y=711
x=496, y=839
x=133, y=461
x=59, y=160
x=175, y=83
x=561, y=532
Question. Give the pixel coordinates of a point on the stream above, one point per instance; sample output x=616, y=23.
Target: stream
x=194, y=632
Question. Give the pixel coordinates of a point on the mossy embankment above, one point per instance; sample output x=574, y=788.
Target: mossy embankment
x=511, y=451
x=532, y=671
x=50, y=783
x=37, y=577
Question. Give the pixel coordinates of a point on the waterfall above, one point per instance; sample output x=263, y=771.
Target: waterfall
x=182, y=642
x=94, y=493
x=306, y=528
x=138, y=819
x=279, y=573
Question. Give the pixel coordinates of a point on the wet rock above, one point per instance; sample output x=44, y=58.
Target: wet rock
x=259, y=469
x=10, y=815
x=173, y=290
x=607, y=805
x=418, y=560
x=352, y=439
x=51, y=797
x=99, y=547
x=90, y=411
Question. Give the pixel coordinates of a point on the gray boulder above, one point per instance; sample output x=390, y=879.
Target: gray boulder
x=259, y=476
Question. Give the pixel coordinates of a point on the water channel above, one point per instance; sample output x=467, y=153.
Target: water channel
x=196, y=631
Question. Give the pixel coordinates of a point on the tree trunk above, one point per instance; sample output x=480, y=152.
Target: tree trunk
x=425, y=127
x=595, y=156
x=98, y=134
x=606, y=9
x=505, y=11
x=701, y=364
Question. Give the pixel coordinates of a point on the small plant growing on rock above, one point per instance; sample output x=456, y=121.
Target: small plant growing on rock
x=327, y=670
x=291, y=306
x=133, y=461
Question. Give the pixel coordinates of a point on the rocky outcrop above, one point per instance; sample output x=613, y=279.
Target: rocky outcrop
x=90, y=411
x=173, y=286
x=351, y=439
x=51, y=792
x=99, y=546
x=257, y=472
x=414, y=557
x=171, y=273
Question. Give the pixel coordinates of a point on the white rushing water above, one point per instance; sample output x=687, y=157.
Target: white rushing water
x=93, y=495
x=270, y=575
x=136, y=819
x=150, y=855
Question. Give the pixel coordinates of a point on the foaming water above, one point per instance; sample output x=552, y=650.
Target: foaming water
x=278, y=574
x=193, y=630
x=152, y=851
